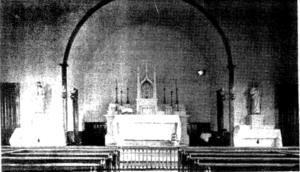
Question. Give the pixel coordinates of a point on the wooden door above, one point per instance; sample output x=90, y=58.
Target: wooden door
x=10, y=110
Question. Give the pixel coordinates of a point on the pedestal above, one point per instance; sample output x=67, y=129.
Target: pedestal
x=257, y=134
x=256, y=121
x=184, y=140
x=43, y=131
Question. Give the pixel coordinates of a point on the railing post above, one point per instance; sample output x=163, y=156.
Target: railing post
x=147, y=157
x=108, y=164
x=178, y=159
x=151, y=159
x=115, y=162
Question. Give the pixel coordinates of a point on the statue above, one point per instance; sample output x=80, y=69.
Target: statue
x=255, y=99
x=40, y=98
x=40, y=89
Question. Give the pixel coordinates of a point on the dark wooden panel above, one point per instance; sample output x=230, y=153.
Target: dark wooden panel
x=194, y=130
x=94, y=134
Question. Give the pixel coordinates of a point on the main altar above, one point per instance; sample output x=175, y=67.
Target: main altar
x=146, y=123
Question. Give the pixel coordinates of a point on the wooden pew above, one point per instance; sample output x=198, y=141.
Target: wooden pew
x=240, y=159
x=54, y=150
x=224, y=167
x=59, y=158
x=233, y=151
x=53, y=167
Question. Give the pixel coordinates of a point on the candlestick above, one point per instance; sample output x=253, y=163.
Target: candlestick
x=121, y=97
x=165, y=102
x=116, y=92
x=171, y=98
x=127, y=96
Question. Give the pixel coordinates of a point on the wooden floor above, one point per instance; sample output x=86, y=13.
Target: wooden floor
x=95, y=158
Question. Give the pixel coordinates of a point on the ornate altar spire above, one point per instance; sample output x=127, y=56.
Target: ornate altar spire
x=146, y=102
x=154, y=83
x=171, y=98
x=138, y=83
x=146, y=69
x=165, y=102
x=177, y=101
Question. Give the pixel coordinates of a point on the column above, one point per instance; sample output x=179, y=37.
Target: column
x=109, y=137
x=231, y=98
x=65, y=97
x=184, y=140
x=220, y=109
x=74, y=97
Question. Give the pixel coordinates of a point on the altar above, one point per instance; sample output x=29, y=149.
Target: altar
x=146, y=123
x=147, y=129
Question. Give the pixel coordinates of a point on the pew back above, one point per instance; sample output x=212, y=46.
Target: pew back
x=239, y=159
x=59, y=158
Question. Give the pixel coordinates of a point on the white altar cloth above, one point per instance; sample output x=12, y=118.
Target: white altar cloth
x=266, y=136
x=145, y=127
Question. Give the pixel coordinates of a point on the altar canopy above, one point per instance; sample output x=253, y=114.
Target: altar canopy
x=146, y=123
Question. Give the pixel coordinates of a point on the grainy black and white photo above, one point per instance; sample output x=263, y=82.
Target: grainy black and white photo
x=149, y=85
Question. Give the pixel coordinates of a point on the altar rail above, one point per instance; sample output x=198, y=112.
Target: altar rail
x=148, y=158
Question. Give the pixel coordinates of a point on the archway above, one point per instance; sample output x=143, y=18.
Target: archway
x=193, y=3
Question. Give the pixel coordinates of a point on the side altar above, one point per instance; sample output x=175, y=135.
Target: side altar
x=255, y=133
x=146, y=123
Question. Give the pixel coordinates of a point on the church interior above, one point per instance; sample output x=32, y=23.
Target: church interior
x=102, y=85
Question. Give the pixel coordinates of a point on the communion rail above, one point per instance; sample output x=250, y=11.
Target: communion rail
x=150, y=158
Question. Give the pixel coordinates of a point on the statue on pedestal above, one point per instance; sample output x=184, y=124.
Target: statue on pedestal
x=255, y=99
x=40, y=98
